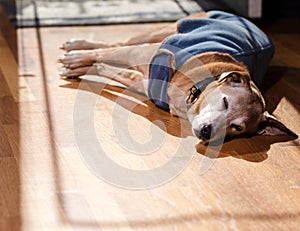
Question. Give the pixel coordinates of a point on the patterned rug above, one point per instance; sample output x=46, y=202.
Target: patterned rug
x=90, y=12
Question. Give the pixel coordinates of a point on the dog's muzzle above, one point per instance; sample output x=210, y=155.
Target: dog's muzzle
x=204, y=133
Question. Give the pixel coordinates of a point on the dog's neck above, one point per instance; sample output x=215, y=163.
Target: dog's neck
x=199, y=67
x=197, y=89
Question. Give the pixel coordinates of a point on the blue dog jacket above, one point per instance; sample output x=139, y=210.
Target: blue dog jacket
x=219, y=32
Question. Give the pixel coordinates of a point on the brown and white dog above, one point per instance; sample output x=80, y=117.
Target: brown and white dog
x=229, y=105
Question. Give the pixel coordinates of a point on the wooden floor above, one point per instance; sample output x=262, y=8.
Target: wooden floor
x=45, y=184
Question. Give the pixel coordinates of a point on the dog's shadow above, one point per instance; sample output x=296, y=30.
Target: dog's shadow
x=254, y=149
x=135, y=103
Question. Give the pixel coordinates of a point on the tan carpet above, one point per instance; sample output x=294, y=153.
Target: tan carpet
x=88, y=12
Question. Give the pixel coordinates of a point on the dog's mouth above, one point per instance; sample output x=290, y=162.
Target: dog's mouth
x=207, y=135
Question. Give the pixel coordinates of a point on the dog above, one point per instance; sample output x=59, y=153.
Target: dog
x=197, y=68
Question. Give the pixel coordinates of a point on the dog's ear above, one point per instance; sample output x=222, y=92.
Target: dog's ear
x=272, y=126
x=235, y=78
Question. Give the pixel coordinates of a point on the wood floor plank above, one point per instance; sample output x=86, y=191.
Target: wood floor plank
x=5, y=148
x=10, y=218
x=10, y=70
x=289, y=54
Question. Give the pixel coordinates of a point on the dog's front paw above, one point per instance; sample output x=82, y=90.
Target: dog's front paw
x=75, y=44
x=74, y=60
x=74, y=73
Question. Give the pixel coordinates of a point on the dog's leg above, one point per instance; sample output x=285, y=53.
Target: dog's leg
x=160, y=34
x=152, y=36
x=82, y=44
x=135, y=57
x=132, y=79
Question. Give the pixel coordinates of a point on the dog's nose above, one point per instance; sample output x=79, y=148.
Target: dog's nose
x=205, y=132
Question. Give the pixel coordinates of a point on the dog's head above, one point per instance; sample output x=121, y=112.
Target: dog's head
x=230, y=106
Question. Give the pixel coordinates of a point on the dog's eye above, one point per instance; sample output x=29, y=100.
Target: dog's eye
x=237, y=127
x=225, y=102
x=235, y=78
